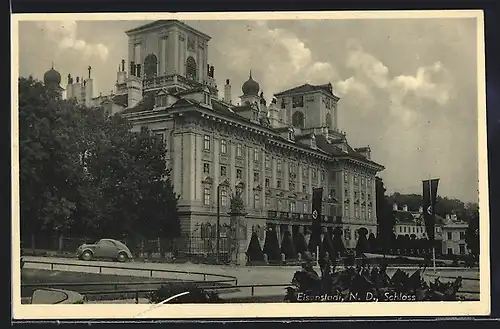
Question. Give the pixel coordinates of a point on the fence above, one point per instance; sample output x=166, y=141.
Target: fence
x=192, y=247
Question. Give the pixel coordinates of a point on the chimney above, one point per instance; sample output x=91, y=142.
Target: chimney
x=227, y=92
x=395, y=206
x=405, y=208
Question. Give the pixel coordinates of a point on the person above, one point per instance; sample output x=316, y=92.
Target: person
x=308, y=265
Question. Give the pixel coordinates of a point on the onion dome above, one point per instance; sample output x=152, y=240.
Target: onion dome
x=52, y=77
x=250, y=87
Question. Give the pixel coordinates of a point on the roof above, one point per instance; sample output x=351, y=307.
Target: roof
x=147, y=103
x=121, y=100
x=166, y=22
x=412, y=218
x=305, y=88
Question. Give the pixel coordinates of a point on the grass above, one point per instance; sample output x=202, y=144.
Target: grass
x=104, y=282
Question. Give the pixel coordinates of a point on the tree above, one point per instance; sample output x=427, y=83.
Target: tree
x=385, y=216
x=287, y=246
x=84, y=172
x=472, y=233
x=300, y=243
x=271, y=245
x=361, y=246
x=254, y=252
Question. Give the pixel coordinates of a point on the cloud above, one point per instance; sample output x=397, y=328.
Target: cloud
x=64, y=34
x=278, y=56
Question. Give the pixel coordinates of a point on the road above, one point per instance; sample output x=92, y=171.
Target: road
x=245, y=275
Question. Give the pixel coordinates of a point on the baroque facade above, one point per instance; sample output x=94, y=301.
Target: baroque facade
x=275, y=153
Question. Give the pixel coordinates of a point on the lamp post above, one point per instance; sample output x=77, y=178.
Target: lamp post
x=226, y=185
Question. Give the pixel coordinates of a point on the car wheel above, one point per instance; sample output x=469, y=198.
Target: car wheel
x=87, y=255
x=122, y=257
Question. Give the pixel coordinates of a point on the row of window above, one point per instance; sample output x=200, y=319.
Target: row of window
x=412, y=229
x=364, y=180
x=449, y=235
x=359, y=212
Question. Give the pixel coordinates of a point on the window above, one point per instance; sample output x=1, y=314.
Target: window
x=346, y=194
x=256, y=176
x=239, y=173
x=450, y=251
x=206, y=143
x=362, y=212
x=449, y=235
x=280, y=205
x=368, y=183
x=206, y=168
x=292, y=206
x=292, y=187
x=268, y=162
x=206, y=196
x=191, y=68
x=278, y=184
x=400, y=229
x=239, y=152
x=298, y=119
x=223, y=170
x=297, y=101
x=267, y=182
x=304, y=188
x=314, y=174
x=356, y=211
x=305, y=208
x=346, y=210
x=362, y=181
x=150, y=66
x=278, y=165
x=160, y=136
x=256, y=155
x=462, y=249
x=356, y=180
x=223, y=197
x=347, y=234
x=292, y=168
x=283, y=104
x=223, y=146
x=256, y=200
x=462, y=235
x=322, y=176
x=328, y=120
x=370, y=213
x=346, y=178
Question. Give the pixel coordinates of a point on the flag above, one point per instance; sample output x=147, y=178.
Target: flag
x=317, y=200
x=429, y=196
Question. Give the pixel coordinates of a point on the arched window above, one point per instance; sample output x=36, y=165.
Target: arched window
x=328, y=120
x=191, y=68
x=150, y=66
x=298, y=119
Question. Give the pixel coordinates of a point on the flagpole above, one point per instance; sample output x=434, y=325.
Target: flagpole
x=433, y=240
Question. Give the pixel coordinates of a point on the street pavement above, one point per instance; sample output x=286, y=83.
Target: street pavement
x=245, y=275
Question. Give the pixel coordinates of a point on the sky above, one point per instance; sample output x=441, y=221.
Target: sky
x=407, y=87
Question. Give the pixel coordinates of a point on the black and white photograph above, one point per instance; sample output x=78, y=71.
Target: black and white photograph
x=249, y=164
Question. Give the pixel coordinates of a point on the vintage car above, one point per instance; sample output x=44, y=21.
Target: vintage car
x=104, y=249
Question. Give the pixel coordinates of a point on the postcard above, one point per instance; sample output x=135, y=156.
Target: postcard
x=249, y=165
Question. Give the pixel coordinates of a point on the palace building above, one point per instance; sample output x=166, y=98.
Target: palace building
x=274, y=152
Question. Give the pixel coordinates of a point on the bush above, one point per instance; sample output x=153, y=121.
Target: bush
x=370, y=284
x=254, y=252
x=196, y=294
x=300, y=243
x=287, y=247
x=271, y=246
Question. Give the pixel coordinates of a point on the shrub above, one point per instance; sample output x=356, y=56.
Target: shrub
x=196, y=294
x=287, y=247
x=300, y=243
x=254, y=252
x=271, y=246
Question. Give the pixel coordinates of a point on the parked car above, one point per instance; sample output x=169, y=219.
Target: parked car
x=105, y=248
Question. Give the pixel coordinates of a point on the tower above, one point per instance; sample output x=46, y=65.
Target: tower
x=172, y=54
x=89, y=88
x=227, y=92
x=52, y=80
x=250, y=91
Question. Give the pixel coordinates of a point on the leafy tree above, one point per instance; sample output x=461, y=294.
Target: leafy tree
x=472, y=233
x=84, y=172
x=361, y=246
x=254, y=252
